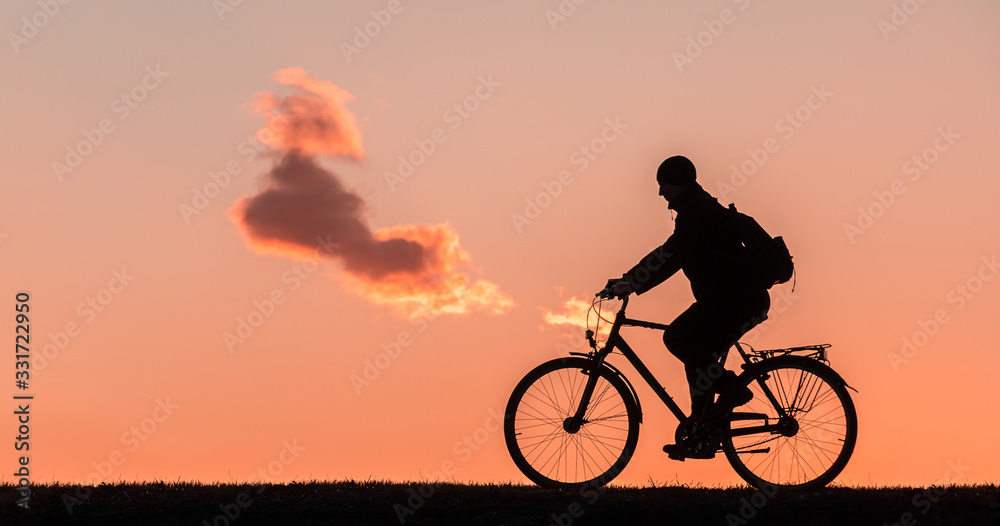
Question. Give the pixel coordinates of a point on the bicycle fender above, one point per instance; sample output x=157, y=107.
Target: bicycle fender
x=752, y=368
x=635, y=395
x=585, y=359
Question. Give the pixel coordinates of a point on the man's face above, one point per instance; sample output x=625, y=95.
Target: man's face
x=670, y=191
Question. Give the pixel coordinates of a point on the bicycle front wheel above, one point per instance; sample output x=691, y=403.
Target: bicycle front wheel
x=814, y=439
x=554, y=455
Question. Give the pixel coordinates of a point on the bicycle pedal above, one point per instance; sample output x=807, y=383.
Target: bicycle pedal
x=675, y=453
x=674, y=456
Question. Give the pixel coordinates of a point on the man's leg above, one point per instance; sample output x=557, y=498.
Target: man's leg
x=746, y=312
x=752, y=311
x=696, y=338
x=693, y=337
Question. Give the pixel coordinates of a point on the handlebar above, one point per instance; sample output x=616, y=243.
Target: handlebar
x=607, y=292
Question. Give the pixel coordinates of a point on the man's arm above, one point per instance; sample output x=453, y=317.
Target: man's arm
x=655, y=268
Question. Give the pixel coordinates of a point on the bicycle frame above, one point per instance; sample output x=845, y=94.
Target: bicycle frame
x=616, y=341
x=574, y=422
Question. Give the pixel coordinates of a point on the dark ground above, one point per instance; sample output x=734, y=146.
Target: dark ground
x=393, y=503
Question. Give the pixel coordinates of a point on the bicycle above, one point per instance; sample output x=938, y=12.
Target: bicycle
x=574, y=422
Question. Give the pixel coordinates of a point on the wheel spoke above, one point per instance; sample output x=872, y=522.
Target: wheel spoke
x=820, y=441
x=548, y=453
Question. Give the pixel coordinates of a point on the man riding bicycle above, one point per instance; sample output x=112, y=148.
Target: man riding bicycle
x=706, y=245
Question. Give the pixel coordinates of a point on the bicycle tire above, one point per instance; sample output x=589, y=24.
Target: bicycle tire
x=545, y=451
x=825, y=429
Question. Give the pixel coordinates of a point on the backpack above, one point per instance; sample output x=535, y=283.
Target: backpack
x=767, y=259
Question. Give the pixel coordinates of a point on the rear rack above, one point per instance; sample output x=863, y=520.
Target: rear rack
x=817, y=352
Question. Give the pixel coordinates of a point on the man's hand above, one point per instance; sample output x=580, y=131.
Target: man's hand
x=622, y=289
x=616, y=288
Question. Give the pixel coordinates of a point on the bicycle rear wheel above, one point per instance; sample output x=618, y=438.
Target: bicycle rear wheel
x=553, y=456
x=812, y=443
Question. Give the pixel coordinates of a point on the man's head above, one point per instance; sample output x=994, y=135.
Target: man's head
x=675, y=175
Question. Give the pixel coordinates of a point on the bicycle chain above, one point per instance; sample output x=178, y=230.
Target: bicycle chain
x=756, y=444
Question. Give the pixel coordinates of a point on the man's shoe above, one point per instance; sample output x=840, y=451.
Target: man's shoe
x=731, y=394
x=701, y=451
x=734, y=398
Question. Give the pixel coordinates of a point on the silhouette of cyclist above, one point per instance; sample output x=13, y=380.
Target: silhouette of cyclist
x=706, y=245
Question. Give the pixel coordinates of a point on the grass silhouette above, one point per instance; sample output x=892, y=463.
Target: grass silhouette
x=387, y=502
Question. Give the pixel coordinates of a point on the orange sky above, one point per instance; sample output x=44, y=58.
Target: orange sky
x=863, y=134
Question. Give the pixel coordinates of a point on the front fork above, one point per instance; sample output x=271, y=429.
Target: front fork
x=573, y=423
x=576, y=421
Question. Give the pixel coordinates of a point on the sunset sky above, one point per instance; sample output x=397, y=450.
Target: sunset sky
x=177, y=336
